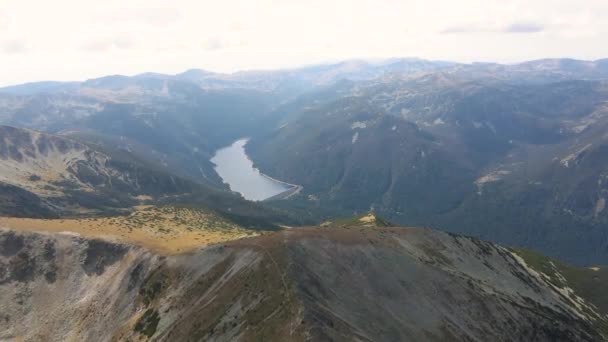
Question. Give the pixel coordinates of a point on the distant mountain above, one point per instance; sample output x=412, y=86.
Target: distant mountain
x=168, y=122
x=44, y=175
x=175, y=120
x=538, y=71
x=569, y=67
x=520, y=163
x=337, y=282
x=510, y=153
x=308, y=77
x=48, y=87
x=66, y=176
x=195, y=75
x=114, y=224
x=296, y=79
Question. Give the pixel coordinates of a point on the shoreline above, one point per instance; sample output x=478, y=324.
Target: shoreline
x=290, y=189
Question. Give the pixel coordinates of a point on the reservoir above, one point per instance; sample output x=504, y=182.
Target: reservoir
x=236, y=170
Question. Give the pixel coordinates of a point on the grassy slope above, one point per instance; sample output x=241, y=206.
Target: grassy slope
x=165, y=230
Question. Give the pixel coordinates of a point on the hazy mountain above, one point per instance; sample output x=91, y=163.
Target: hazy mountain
x=519, y=163
x=115, y=225
x=423, y=142
x=48, y=87
x=68, y=176
x=168, y=122
x=44, y=175
x=176, y=121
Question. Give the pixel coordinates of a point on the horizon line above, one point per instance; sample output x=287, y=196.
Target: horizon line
x=370, y=60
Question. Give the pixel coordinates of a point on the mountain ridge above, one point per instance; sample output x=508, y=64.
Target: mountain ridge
x=278, y=286
x=479, y=156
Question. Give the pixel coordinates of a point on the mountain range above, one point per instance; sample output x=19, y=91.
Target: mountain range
x=115, y=224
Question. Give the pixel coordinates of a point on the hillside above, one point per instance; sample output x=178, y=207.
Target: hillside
x=338, y=282
x=514, y=153
x=509, y=160
x=51, y=176
x=66, y=176
x=303, y=171
x=164, y=230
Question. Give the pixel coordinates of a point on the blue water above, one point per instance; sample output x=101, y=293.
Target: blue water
x=236, y=170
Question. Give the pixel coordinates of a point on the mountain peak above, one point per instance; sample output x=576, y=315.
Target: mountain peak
x=192, y=74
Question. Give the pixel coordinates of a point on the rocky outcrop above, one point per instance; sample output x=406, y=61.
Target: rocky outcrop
x=332, y=283
x=62, y=176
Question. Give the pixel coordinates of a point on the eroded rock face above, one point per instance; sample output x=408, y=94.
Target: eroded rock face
x=101, y=254
x=62, y=287
x=423, y=285
x=336, y=283
x=57, y=287
x=18, y=264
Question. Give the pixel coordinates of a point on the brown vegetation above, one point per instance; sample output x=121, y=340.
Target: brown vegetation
x=166, y=230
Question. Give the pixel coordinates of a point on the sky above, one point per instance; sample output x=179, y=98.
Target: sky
x=81, y=39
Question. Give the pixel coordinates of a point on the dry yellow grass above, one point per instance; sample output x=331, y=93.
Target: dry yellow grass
x=166, y=230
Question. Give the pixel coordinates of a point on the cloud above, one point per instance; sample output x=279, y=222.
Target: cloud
x=105, y=44
x=14, y=46
x=523, y=27
x=157, y=16
x=239, y=26
x=514, y=27
x=122, y=42
x=3, y=20
x=472, y=28
x=215, y=44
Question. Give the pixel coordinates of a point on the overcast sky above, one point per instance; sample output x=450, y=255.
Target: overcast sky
x=80, y=39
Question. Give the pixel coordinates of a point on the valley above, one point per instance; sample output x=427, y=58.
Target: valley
x=304, y=171
x=509, y=153
x=132, y=208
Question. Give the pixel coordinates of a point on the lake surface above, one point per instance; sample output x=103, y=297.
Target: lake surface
x=236, y=169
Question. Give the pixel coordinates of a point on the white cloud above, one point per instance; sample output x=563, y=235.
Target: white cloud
x=13, y=46
x=157, y=16
x=213, y=44
x=104, y=44
x=216, y=44
x=135, y=36
x=523, y=27
x=514, y=27
x=3, y=20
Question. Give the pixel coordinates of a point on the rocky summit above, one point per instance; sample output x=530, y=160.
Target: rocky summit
x=339, y=282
